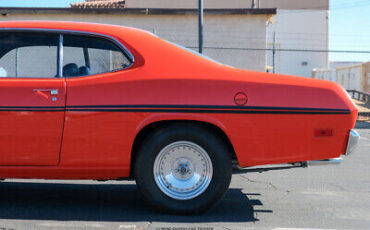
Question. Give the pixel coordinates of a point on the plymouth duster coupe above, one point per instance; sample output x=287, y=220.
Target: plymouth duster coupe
x=104, y=102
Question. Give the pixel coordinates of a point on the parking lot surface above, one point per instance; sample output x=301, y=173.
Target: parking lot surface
x=321, y=197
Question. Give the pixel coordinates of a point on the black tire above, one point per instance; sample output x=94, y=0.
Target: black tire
x=202, y=136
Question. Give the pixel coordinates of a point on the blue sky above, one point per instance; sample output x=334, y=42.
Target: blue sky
x=349, y=24
x=350, y=28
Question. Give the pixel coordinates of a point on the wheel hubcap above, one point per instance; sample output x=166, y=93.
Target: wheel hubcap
x=182, y=170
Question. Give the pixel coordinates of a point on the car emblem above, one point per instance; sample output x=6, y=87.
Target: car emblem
x=240, y=98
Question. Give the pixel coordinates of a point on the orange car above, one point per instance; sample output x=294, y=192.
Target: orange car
x=104, y=102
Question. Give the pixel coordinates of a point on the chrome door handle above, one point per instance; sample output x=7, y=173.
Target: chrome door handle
x=52, y=91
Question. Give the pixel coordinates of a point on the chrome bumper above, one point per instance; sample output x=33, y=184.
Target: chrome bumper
x=353, y=139
x=331, y=161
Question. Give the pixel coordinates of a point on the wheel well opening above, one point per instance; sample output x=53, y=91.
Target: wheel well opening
x=156, y=125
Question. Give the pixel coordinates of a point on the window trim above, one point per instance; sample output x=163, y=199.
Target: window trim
x=115, y=42
x=60, y=54
x=60, y=57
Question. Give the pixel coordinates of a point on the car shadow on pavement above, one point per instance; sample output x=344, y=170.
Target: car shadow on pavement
x=108, y=202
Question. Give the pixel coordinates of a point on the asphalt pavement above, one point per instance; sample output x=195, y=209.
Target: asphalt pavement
x=320, y=197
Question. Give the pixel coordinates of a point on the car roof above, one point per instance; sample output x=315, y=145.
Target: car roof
x=65, y=25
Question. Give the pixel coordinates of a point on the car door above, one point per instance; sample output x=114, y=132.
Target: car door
x=32, y=98
x=94, y=67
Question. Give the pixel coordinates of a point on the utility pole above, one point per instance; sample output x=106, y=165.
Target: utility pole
x=273, y=53
x=200, y=26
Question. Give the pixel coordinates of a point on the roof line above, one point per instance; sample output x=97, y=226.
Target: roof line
x=149, y=11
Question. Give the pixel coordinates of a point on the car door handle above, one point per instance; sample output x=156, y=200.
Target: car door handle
x=52, y=91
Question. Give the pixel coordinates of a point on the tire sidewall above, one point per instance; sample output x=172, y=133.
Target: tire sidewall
x=215, y=149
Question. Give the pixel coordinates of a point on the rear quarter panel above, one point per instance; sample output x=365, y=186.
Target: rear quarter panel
x=103, y=135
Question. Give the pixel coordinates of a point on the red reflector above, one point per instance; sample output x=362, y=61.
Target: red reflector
x=323, y=132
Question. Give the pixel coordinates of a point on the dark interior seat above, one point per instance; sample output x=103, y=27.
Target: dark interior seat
x=70, y=70
x=84, y=71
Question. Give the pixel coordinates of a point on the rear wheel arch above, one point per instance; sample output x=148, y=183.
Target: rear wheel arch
x=154, y=126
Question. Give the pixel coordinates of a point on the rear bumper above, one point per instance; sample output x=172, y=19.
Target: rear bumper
x=353, y=139
x=352, y=143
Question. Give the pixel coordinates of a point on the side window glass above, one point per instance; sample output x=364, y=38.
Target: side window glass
x=83, y=55
x=32, y=55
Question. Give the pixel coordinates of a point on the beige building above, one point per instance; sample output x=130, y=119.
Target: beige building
x=354, y=77
x=226, y=28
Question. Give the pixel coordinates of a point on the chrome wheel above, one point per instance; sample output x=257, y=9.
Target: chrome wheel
x=182, y=170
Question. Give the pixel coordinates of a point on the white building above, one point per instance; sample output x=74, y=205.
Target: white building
x=299, y=25
x=353, y=77
x=331, y=73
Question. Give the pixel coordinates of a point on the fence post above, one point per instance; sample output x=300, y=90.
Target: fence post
x=273, y=53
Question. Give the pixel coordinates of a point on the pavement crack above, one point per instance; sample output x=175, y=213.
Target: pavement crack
x=341, y=188
x=260, y=182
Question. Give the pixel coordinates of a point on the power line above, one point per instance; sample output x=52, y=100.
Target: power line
x=256, y=34
x=288, y=50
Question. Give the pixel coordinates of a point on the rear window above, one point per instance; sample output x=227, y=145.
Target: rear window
x=83, y=55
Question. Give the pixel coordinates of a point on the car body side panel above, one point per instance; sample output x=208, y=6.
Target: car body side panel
x=31, y=123
x=95, y=139
x=256, y=140
x=105, y=112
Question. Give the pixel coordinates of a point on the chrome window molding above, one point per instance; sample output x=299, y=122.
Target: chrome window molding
x=123, y=49
x=60, y=57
